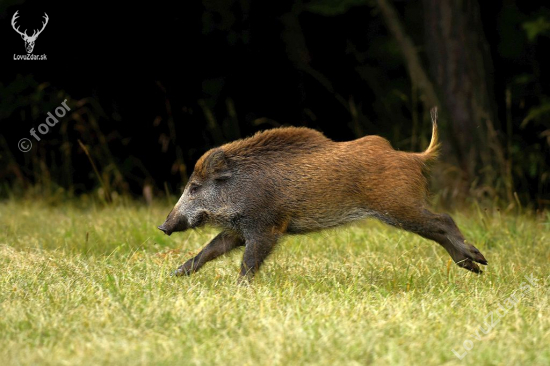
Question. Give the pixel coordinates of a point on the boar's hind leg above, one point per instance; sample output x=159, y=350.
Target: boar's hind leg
x=442, y=229
x=221, y=244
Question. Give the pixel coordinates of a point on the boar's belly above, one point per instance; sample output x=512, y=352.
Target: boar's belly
x=322, y=220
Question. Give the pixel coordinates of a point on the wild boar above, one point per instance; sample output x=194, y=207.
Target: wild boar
x=295, y=180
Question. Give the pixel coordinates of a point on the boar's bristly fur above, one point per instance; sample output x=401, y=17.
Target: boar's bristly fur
x=295, y=180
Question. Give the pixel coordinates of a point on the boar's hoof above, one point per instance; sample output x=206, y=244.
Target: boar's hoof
x=244, y=281
x=183, y=270
x=470, y=266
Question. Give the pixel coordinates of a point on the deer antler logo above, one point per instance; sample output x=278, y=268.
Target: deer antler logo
x=29, y=40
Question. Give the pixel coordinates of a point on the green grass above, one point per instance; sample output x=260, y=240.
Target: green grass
x=86, y=285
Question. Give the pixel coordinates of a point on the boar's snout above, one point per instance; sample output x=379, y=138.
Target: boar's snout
x=165, y=229
x=173, y=224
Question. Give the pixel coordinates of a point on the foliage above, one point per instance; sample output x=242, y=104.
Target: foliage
x=325, y=64
x=537, y=27
x=332, y=7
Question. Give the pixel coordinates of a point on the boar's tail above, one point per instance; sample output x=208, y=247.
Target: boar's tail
x=433, y=149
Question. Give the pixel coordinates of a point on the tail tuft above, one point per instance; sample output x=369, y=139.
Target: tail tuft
x=433, y=149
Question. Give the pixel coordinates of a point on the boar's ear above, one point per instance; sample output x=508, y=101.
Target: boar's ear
x=217, y=165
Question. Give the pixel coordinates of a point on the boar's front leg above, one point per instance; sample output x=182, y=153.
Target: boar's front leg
x=256, y=251
x=221, y=244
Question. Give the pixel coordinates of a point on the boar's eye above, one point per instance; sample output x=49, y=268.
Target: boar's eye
x=194, y=188
x=222, y=177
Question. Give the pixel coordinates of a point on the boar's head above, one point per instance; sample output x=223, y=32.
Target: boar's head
x=206, y=198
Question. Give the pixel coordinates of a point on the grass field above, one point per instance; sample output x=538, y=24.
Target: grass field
x=82, y=284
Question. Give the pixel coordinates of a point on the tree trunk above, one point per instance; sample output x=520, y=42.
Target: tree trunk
x=417, y=73
x=461, y=68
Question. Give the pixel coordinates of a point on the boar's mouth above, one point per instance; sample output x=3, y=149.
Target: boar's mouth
x=169, y=227
x=198, y=220
x=176, y=222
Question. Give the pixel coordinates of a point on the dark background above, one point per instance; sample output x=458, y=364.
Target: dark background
x=153, y=86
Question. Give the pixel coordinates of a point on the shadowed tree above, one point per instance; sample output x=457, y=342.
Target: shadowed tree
x=461, y=67
x=458, y=78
